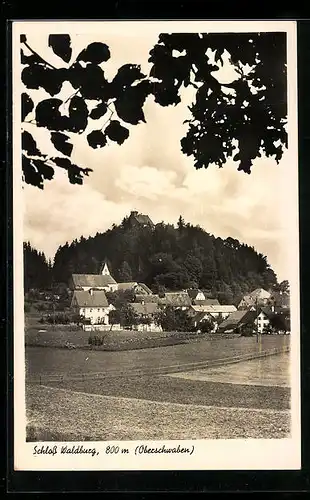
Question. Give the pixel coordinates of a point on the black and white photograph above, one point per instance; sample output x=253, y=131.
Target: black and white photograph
x=156, y=257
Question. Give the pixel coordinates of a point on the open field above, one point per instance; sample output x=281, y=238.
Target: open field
x=45, y=360
x=245, y=400
x=56, y=414
x=184, y=391
x=268, y=371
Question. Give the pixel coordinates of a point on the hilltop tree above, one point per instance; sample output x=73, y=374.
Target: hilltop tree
x=228, y=273
x=241, y=119
x=125, y=273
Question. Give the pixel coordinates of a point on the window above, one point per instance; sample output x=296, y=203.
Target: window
x=90, y=310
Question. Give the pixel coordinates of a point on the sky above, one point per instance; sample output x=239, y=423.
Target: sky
x=150, y=174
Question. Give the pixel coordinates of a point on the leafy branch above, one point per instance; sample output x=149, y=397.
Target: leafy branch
x=218, y=120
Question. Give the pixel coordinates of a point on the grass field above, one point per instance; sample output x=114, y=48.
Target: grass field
x=56, y=414
x=124, y=406
x=45, y=360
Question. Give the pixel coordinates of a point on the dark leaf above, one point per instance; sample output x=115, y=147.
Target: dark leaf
x=95, y=53
x=23, y=38
x=75, y=173
x=27, y=105
x=96, y=139
x=31, y=59
x=78, y=114
x=29, y=145
x=46, y=171
x=166, y=94
x=31, y=174
x=98, y=111
x=125, y=77
x=129, y=105
x=60, y=142
x=62, y=162
x=38, y=75
x=36, y=171
x=61, y=45
x=48, y=115
x=116, y=132
x=90, y=81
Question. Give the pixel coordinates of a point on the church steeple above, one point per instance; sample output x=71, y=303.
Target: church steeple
x=105, y=269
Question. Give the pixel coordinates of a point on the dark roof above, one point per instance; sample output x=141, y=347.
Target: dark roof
x=127, y=286
x=85, y=298
x=141, y=218
x=177, y=299
x=144, y=309
x=237, y=318
x=92, y=280
x=193, y=292
x=206, y=302
x=146, y=288
x=197, y=316
x=147, y=298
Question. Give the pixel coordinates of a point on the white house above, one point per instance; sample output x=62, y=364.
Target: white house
x=215, y=311
x=92, y=305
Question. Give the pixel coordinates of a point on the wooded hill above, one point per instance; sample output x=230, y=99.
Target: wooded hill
x=164, y=258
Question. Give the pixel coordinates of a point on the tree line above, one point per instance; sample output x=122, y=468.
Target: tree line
x=166, y=258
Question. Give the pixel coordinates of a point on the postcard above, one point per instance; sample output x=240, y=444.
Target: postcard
x=156, y=245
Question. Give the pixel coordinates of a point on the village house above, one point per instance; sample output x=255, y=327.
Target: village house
x=214, y=311
x=146, y=313
x=138, y=288
x=206, y=302
x=259, y=320
x=103, y=281
x=92, y=305
x=258, y=297
x=179, y=300
x=146, y=298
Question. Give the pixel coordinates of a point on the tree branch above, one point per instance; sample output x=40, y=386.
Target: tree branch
x=70, y=97
x=38, y=55
x=112, y=113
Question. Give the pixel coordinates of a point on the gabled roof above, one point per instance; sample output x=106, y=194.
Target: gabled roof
x=145, y=288
x=92, y=280
x=177, y=299
x=260, y=293
x=207, y=302
x=127, y=286
x=215, y=309
x=147, y=298
x=144, y=309
x=141, y=218
x=237, y=318
x=85, y=298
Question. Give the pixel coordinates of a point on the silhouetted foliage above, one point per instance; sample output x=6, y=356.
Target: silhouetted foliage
x=242, y=119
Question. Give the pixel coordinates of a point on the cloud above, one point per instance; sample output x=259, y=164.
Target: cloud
x=150, y=174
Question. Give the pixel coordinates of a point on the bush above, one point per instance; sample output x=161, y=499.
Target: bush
x=95, y=340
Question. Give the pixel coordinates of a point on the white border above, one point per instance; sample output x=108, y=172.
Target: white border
x=209, y=454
